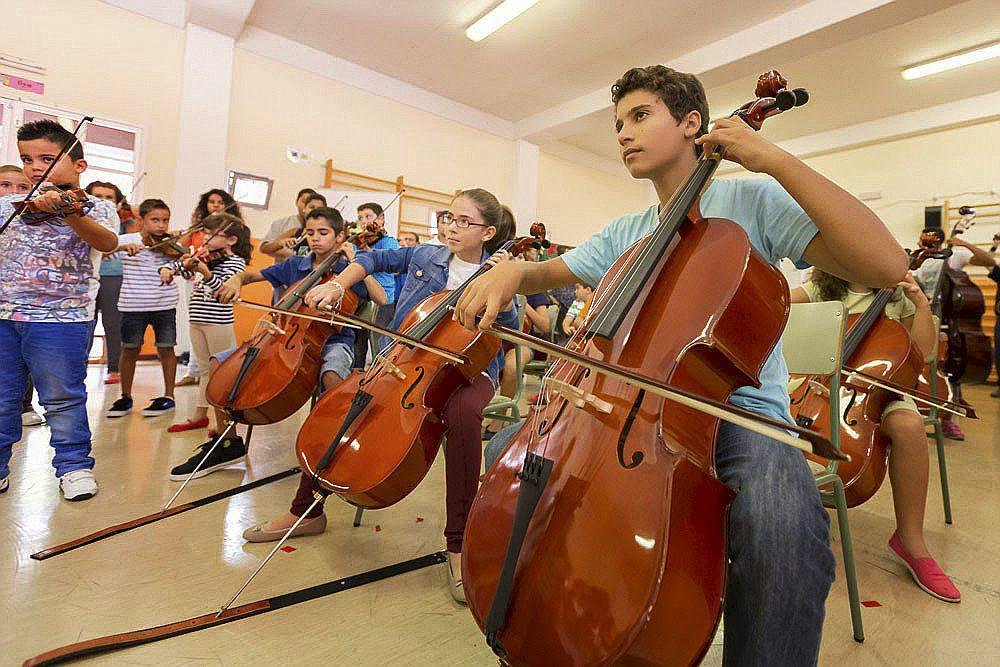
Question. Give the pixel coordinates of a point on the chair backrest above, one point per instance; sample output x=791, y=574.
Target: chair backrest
x=814, y=336
x=813, y=343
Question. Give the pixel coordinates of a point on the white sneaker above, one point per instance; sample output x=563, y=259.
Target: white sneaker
x=31, y=418
x=4, y=484
x=78, y=485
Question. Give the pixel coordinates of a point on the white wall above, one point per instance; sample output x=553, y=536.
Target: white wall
x=108, y=62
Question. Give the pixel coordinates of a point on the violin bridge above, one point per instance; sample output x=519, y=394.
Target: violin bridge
x=578, y=397
x=392, y=368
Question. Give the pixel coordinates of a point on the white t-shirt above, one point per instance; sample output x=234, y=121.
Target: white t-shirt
x=459, y=272
x=142, y=289
x=929, y=273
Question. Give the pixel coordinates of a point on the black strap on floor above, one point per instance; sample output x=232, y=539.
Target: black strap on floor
x=135, y=638
x=158, y=516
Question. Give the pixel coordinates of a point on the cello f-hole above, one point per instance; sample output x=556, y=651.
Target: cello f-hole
x=408, y=405
x=637, y=456
x=850, y=404
x=289, y=344
x=796, y=401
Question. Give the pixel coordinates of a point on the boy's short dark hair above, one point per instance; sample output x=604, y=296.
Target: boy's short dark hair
x=304, y=191
x=314, y=197
x=52, y=131
x=373, y=207
x=150, y=205
x=331, y=215
x=681, y=92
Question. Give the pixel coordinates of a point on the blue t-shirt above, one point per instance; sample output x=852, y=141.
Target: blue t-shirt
x=285, y=274
x=777, y=227
x=386, y=280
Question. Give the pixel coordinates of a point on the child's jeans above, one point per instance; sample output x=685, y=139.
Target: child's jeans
x=55, y=353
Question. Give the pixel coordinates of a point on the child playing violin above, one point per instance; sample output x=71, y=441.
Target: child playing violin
x=146, y=301
x=47, y=290
x=325, y=235
x=211, y=201
x=909, y=462
x=661, y=123
x=224, y=253
x=474, y=228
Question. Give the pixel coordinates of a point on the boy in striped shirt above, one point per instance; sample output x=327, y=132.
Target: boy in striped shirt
x=146, y=301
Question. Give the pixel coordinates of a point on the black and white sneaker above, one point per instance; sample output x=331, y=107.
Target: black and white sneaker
x=4, y=484
x=159, y=406
x=229, y=452
x=120, y=408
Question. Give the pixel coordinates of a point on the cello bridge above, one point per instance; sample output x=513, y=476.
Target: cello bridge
x=579, y=398
x=392, y=368
x=272, y=328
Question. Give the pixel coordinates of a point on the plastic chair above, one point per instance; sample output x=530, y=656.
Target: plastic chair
x=812, y=345
x=540, y=368
x=934, y=419
x=503, y=407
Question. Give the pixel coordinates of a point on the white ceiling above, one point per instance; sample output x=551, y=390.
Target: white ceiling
x=857, y=80
x=555, y=51
x=546, y=75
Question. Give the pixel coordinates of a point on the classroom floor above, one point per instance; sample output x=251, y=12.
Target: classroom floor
x=189, y=565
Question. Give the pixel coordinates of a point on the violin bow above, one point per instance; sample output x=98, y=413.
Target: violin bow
x=67, y=147
x=807, y=441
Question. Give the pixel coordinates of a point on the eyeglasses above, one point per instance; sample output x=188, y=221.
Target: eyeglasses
x=462, y=222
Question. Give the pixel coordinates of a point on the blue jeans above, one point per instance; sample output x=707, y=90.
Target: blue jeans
x=781, y=566
x=55, y=353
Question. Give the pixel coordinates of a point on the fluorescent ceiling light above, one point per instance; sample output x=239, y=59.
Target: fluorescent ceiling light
x=951, y=62
x=506, y=11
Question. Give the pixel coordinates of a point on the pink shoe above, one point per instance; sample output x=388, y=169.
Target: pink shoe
x=112, y=379
x=952, y=431
x=927, y=573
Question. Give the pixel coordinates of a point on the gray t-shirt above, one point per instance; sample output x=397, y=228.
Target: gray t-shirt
x=282, y=225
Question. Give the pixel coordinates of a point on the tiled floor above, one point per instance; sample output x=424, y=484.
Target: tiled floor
x=190, y=564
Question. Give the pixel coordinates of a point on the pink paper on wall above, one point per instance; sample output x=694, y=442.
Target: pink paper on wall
x=19, y=83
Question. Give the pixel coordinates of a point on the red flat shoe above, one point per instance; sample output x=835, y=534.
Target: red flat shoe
x=927, y=573
x=111, y=380
x=189, y=425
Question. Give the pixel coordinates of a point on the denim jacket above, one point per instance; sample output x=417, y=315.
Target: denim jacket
x=426, y=269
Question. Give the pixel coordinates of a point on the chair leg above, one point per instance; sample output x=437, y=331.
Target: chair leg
x=357, y=516
x=849, y=571
x=249, y=435
x=943, y=468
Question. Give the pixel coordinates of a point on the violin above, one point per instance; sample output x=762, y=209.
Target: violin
x=390, y=415
x=74, y=201
x=608, y=463
x=883, y=349
x=273, y=373
x=165, y=244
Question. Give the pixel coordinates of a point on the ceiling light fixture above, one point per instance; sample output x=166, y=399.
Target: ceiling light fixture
x=506, y=11
x=975, y=55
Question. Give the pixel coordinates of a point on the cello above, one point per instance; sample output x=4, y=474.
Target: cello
x=970, y=353
x=376, y=461
x=879, y=347
x=271, y=375
x=607, y=463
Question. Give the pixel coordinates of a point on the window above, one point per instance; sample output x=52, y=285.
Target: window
x=112, y=148
x=249, y=190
